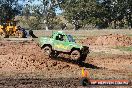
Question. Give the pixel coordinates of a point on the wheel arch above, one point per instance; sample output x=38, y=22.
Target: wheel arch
x=46, y=45
x=74, y=49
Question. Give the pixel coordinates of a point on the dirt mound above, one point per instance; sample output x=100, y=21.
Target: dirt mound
x=109, y=40
x=26, y=57
x=114, y=62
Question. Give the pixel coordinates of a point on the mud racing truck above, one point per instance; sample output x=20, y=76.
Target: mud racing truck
x=60, y=42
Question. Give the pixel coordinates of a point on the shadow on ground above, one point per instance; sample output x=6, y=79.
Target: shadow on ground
x=81, y=64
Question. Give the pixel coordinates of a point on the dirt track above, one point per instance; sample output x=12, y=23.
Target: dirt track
x=27, y=57
x=26, y=60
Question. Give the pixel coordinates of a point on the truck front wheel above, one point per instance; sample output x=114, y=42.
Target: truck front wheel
x=47, y=51
x=75, y=55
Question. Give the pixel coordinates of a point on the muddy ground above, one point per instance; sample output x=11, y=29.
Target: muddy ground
x=23, y=65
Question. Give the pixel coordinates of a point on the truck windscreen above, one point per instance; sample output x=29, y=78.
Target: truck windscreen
x=70, y=38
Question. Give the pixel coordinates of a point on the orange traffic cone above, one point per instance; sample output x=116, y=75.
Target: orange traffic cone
x=85, y=73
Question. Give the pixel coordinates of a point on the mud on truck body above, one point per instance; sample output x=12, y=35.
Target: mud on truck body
x=60, y=42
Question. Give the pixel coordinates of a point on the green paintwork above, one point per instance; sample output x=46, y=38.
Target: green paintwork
x=64, y=46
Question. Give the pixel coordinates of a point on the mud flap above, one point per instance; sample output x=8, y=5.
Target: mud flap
x=32, y=34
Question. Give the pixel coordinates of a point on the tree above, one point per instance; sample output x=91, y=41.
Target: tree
x=45, y=12
x=99, y=13
x=80, y=11
x=9, y=9
x=118, y=11
x=49, y=11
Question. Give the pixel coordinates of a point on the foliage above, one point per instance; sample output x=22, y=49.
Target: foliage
x=9, y=9
x=98, y=13
x=101, y=13
x=44, y=14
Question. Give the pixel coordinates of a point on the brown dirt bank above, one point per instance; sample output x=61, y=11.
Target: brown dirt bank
x=109, y=40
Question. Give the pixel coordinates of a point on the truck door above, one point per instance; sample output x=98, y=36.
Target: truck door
x=60, y=43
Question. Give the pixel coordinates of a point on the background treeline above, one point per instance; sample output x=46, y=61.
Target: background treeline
x=42, y=14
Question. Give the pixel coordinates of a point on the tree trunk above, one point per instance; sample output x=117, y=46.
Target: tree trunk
x=46, y=27
x=114, y=24
x=130, y=20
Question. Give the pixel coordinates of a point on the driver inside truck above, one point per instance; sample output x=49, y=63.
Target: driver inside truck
x=60, y=37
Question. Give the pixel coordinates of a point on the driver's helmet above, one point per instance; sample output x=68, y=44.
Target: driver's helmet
x=60, y=37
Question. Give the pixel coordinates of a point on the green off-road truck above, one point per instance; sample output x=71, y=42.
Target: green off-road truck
x=60, y=42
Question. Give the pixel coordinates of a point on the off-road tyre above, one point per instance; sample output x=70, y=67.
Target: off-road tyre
x=75, y=55
x=47, y=51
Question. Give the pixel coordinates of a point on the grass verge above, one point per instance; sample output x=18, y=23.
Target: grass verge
x=123, y=48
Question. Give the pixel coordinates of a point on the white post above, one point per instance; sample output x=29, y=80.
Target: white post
x=46, y=28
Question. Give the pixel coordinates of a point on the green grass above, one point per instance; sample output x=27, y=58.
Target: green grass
x=129, y=35
x=100, y=54
x=129, y=48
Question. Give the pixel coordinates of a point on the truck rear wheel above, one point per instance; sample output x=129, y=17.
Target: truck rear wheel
x=75, y=55
x=47, y=51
